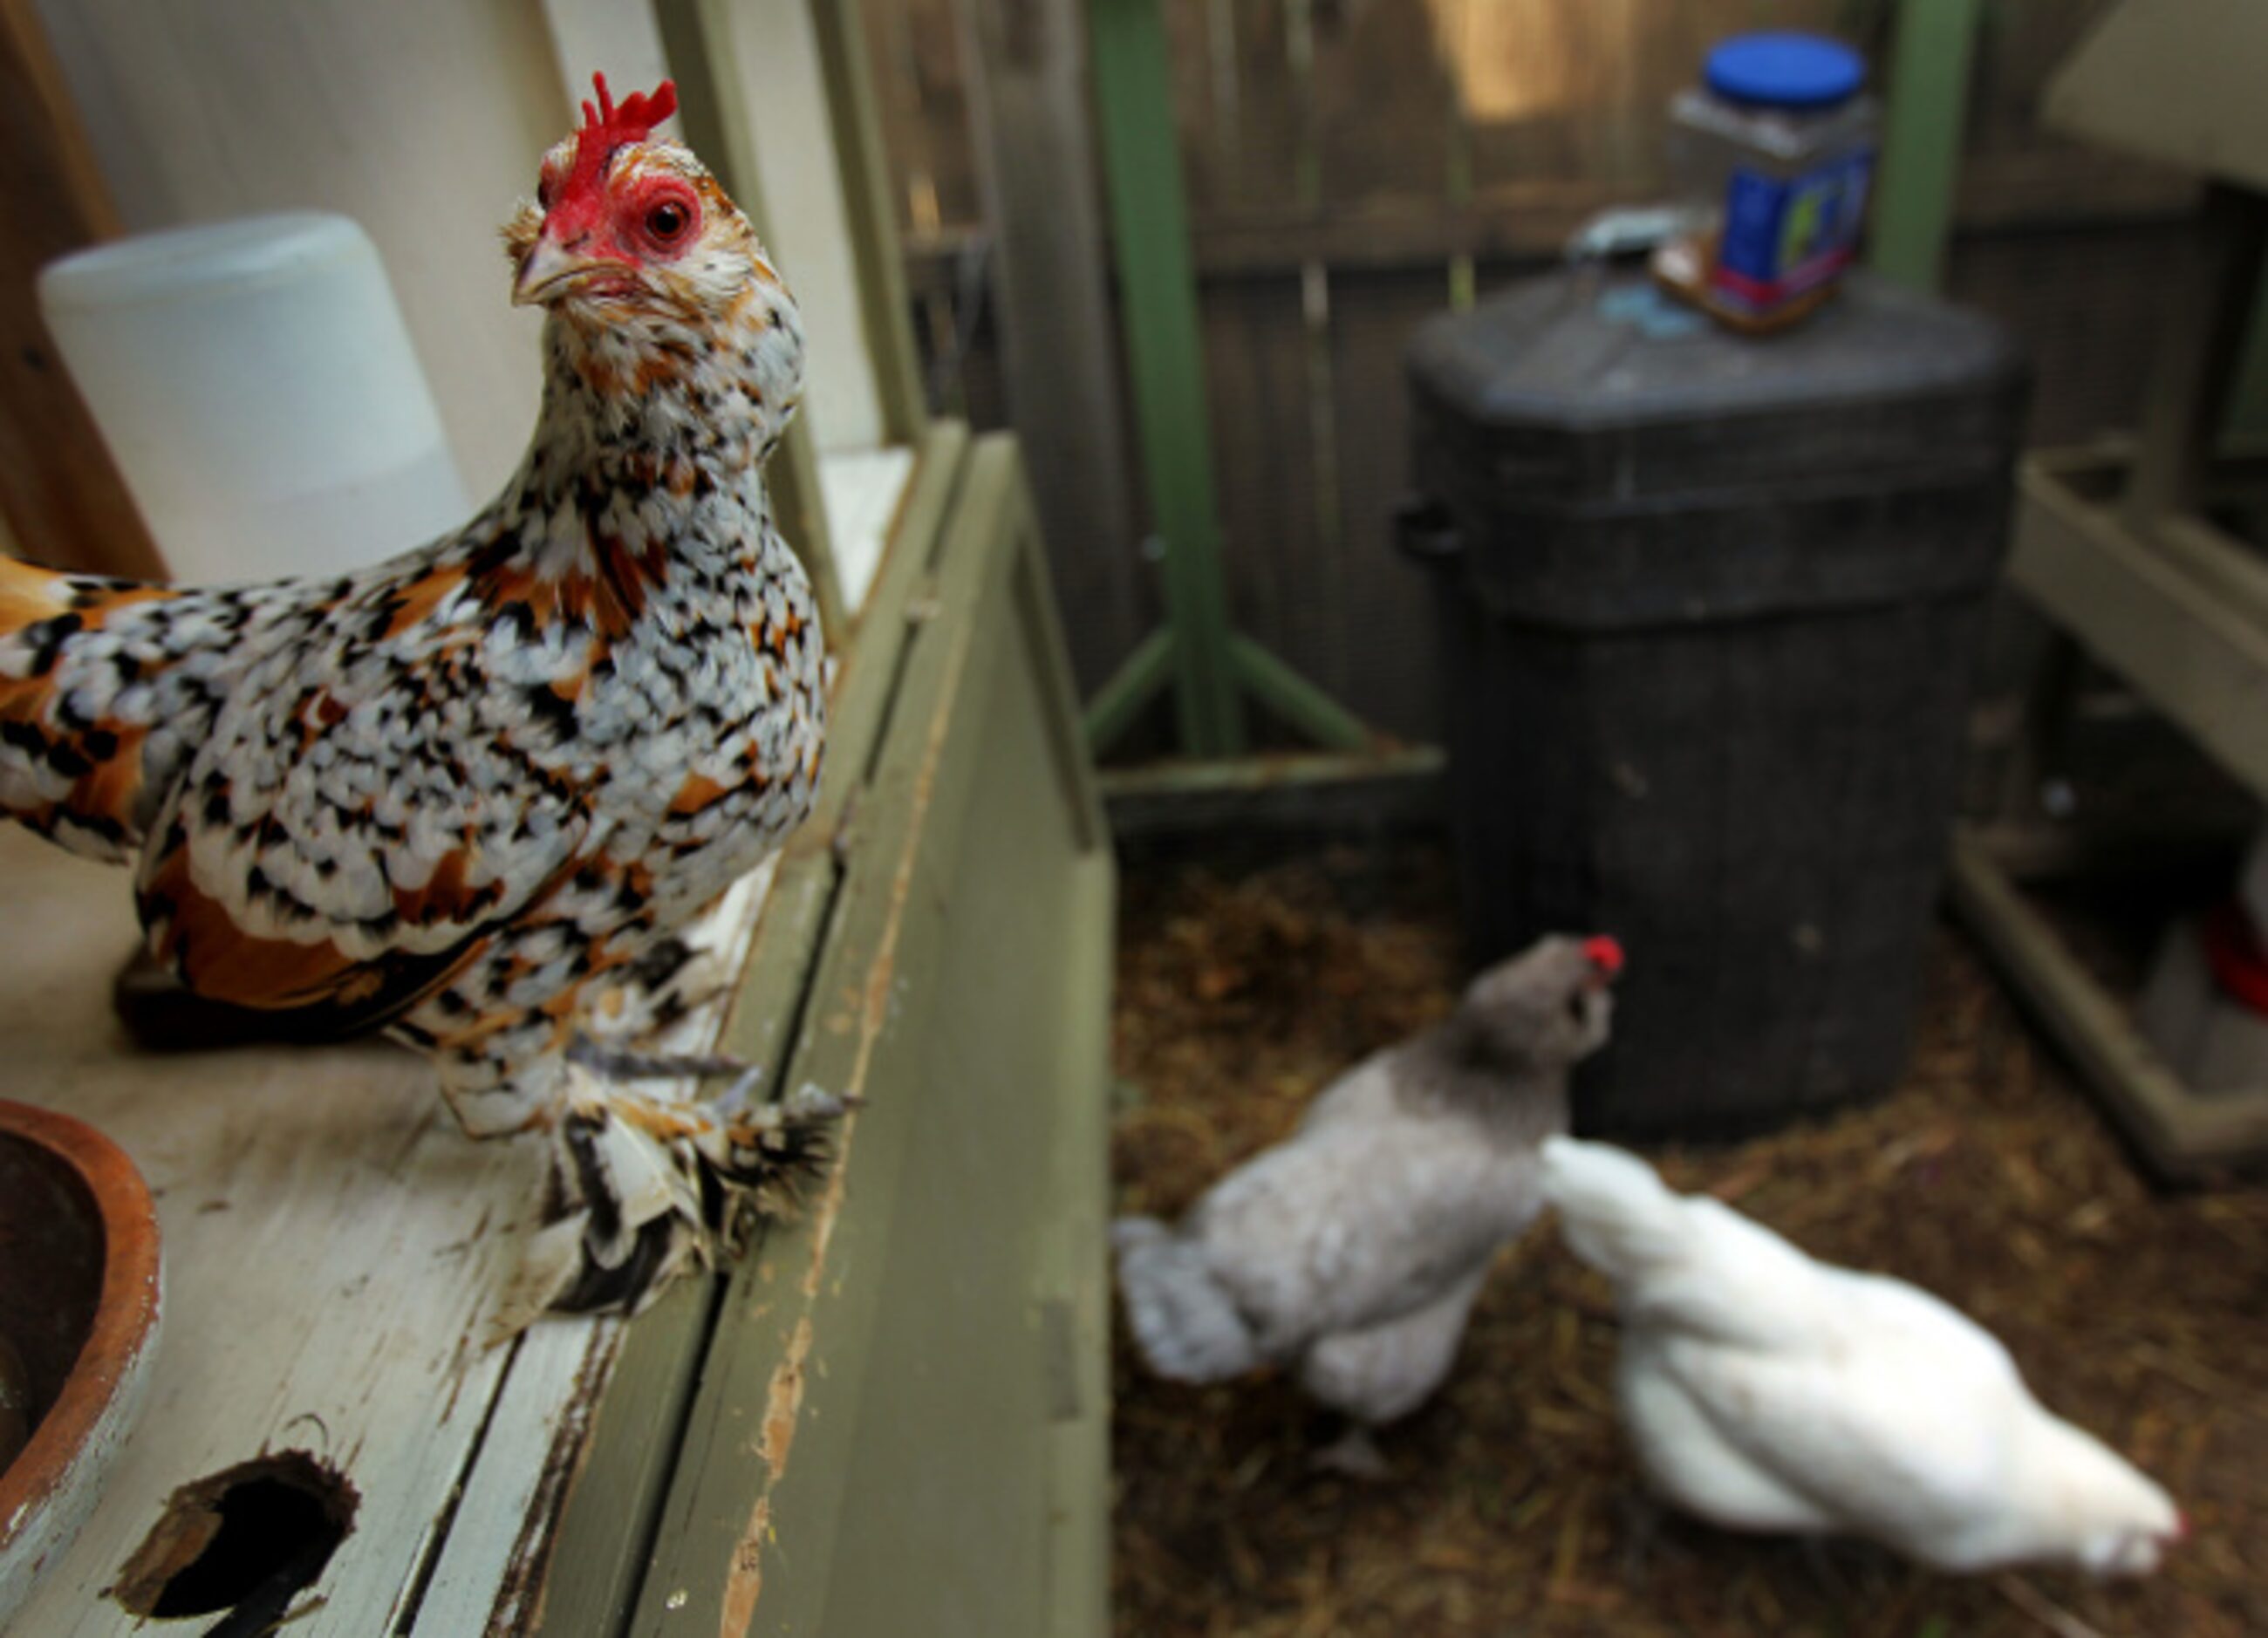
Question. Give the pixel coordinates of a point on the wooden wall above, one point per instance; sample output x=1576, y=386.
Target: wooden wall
x=1355, y=165
x=424, y=121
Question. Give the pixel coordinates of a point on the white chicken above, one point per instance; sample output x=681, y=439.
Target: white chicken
x=1763, y=1390
x=1353, y=1249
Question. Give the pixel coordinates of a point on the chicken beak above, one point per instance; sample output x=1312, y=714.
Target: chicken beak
x=552, y=270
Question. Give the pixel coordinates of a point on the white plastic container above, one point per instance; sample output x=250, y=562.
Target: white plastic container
x=255, y=383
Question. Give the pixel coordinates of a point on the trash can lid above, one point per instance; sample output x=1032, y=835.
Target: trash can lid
x=1563, y=353
x=1785, y=70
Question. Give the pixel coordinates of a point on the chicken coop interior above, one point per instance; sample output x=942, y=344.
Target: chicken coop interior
x=1247, y=819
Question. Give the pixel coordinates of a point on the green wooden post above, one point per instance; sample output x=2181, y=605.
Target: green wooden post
x=1921, y=145
x=1157, y=286
x=1297, y=701
x=1120, y=701
x=1207, y=663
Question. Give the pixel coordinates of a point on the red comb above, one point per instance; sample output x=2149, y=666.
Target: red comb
x=606, y=128
x=1605, y=954
x=637, y=116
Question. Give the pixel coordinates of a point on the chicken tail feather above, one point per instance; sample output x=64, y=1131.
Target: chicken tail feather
x=72, y=764
x=1186, y=1327
x=1617, y=1213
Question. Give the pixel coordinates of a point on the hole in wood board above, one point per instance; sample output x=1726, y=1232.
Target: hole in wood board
x=245, y=1540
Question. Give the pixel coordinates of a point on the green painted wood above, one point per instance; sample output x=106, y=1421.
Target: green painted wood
x=1115, y=705
x=1921, y=143
x=613, y=1506
x=1208, y=663
x=873, y=215
x=1134, y=111
x=900, y=1424
x=1382, y=786
x=1297, y=702
x=1073, y=1289
x=598, y=1555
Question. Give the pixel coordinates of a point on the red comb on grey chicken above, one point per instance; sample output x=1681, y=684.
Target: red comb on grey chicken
x=455, y=793
x=1351, y=1251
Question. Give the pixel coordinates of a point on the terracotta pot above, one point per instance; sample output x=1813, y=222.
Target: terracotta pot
x=79, y=1298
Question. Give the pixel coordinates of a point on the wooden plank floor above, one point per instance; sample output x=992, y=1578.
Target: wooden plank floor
x=335, y=1252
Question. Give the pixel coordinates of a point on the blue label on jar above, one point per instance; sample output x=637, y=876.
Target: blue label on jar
x=1783, y=238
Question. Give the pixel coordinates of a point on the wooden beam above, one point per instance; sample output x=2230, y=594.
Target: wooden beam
x=1134, y=107
x=1921, y=149
x=2186, y=1136
x=2012, y=194
x=1313, y=791
x=1026, y=69
x=1533, y=220
x=2176, y=80
x=2172, y=630
x=61, y=495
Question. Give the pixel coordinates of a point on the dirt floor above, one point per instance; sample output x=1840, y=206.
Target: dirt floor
x=1987, y=1178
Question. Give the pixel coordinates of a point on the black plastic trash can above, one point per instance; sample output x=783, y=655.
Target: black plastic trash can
x=1709, y=611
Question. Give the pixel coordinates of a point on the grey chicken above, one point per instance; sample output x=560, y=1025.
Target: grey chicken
x=1351, y=1251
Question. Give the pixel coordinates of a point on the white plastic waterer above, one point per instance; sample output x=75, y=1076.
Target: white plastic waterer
x=257, y=386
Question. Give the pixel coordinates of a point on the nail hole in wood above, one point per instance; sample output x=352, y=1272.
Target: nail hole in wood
x=245, y=1539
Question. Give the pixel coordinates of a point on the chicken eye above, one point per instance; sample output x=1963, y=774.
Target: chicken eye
x=1575, y=1007
x=668, y=219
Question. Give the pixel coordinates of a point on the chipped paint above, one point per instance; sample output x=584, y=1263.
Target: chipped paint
x=783, y=1399
x=746, y=1581
x=519, y=1604
x=784, y=1395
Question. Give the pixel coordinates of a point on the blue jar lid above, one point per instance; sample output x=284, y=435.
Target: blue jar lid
x=1784, y=70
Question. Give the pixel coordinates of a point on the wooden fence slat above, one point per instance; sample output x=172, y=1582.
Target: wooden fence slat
x=1384, y=620
x=915, y=49
x=1202, y=55
x=1256, y=386
x=1263, y=166
x=1384, y=103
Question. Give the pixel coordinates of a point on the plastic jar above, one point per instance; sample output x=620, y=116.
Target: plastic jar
x=256, y=383
x=1774, y=152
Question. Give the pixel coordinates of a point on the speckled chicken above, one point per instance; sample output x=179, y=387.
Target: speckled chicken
x=1763, y=1390
x=1351, y=1251
x=458, y=793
